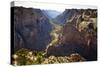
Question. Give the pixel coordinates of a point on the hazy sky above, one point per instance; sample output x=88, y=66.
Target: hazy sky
x=51, y=6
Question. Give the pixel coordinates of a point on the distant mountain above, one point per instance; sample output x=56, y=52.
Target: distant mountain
x=51, y=13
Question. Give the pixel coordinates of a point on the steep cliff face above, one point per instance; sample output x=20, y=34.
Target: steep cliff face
x=31, y=29
x=66, y=15
x=69, y=14
x=79, y=34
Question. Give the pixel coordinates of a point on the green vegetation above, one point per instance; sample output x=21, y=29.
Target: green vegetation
x=27, y=57
x=56, y=31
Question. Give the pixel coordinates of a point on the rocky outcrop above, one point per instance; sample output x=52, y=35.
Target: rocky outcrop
x=31, y=29
x=27, y=57
x=64, y=59
x=79, y=34
x=69, y=14
x=66, y=15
